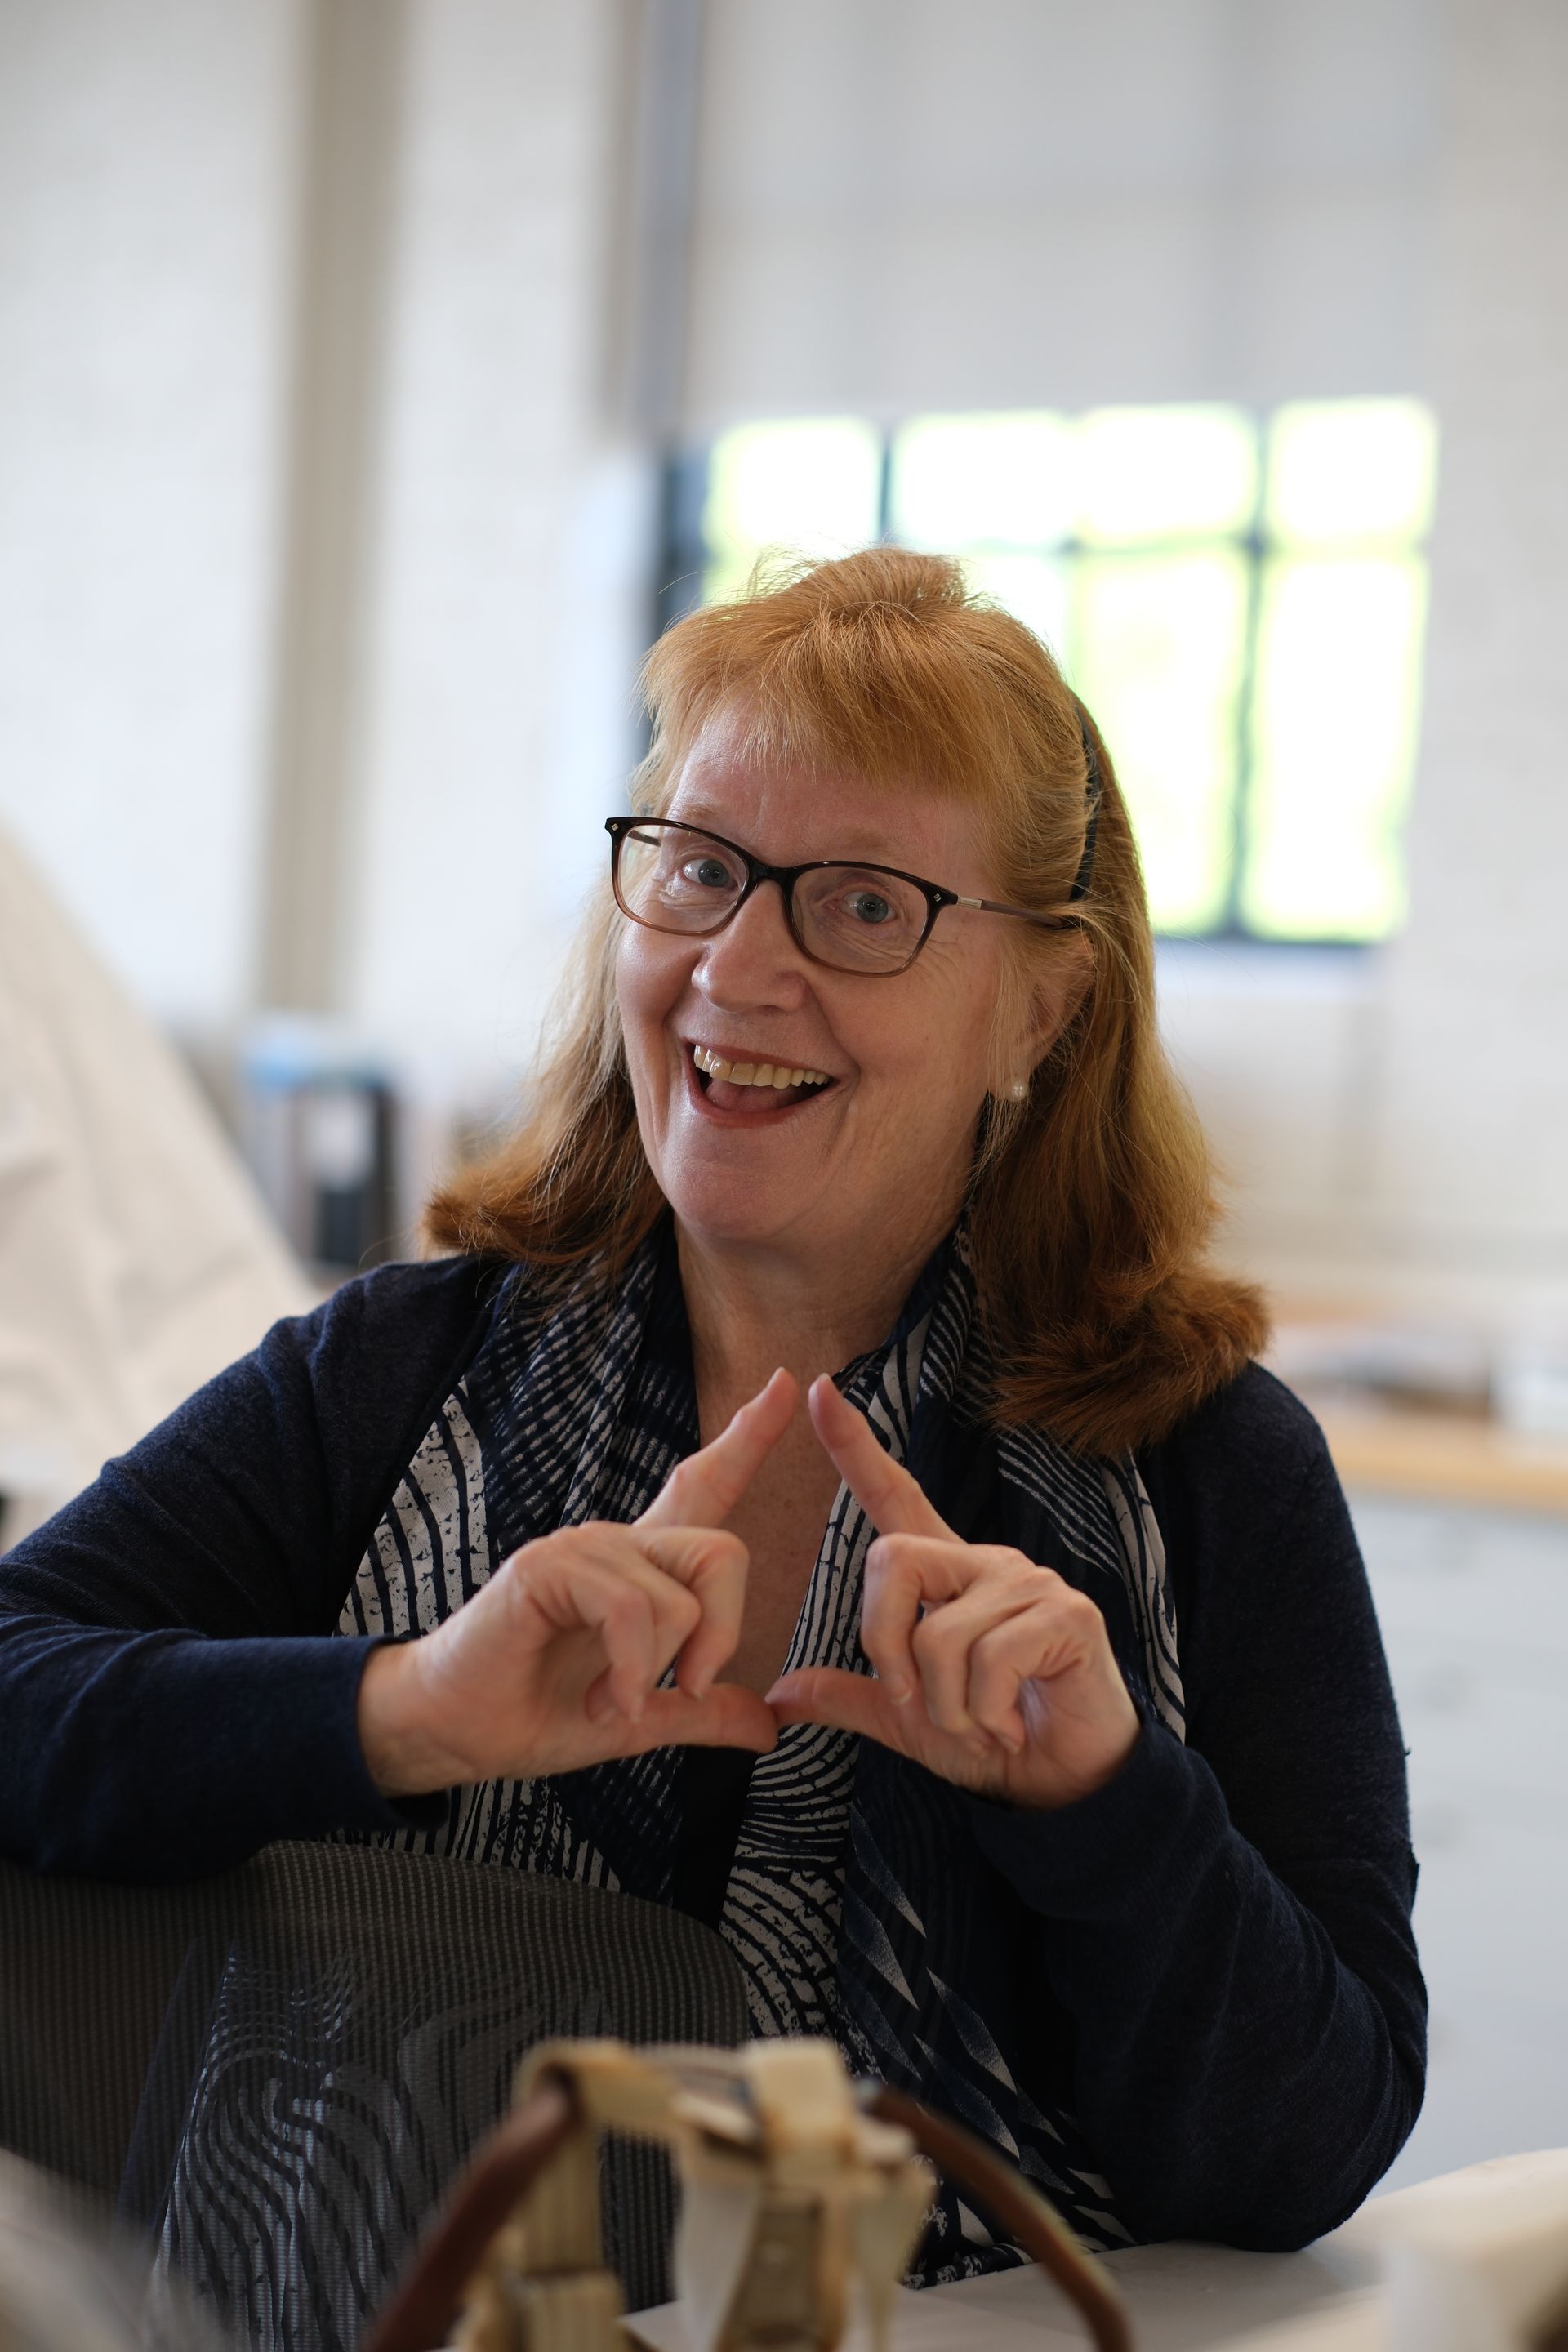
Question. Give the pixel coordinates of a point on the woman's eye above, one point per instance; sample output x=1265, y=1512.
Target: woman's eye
x=869, y=907
x=707, y=873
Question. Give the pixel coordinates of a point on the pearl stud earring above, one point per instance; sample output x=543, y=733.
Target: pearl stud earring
x=1016, y=1090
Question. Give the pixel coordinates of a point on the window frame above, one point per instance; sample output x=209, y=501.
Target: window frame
x=684, y=555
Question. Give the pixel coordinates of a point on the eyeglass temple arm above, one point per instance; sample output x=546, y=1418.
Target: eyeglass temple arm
x=995, y=907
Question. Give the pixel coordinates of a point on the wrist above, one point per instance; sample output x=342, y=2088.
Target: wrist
x=400, y=1754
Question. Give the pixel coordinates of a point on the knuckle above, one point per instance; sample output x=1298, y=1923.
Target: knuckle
x=878, y=1594
x=1024, y=1582
x=626, y=1604
x=685, y=1610
x=880, y=1648
x=931, y=1639
x=568, y=1548
x=991, y=1708
x=881, y=1567
x=889, y=1561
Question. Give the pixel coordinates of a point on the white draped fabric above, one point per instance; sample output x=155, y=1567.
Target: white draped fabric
x=135, y=1259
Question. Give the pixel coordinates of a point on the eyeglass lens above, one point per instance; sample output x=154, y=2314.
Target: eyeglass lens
x=674, y=878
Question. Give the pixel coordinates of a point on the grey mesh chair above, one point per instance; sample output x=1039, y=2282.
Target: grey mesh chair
x=275, y=2074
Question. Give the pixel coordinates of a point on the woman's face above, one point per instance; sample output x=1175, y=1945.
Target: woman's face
x=878, y=1157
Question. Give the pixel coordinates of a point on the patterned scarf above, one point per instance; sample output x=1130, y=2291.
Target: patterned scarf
x=856, y=1903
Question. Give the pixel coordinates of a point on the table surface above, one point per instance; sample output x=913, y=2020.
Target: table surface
x=1186, y=2298
x=1444, y=1457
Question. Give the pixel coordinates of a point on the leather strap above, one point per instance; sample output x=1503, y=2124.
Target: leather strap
x=1008, y=2198
x=426, y=2301
x=421, y=2312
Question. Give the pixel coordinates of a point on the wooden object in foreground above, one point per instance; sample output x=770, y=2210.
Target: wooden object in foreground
x=798, y=2188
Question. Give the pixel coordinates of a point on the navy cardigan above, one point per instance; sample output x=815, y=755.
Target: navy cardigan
x=1220, y=1937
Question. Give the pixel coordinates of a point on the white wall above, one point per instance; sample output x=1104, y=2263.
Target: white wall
x=145, y=224
x=909, y=205
x=514, y=540
x=1474, y=1135
x=1400, y=1130
x=150, y=186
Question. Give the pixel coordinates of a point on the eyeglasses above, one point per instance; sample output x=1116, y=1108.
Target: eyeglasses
x=872, y=919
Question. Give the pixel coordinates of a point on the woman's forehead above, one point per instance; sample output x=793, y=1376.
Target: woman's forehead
x=810, y=808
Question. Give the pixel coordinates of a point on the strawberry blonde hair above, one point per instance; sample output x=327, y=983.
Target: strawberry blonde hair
x=1089, y=1206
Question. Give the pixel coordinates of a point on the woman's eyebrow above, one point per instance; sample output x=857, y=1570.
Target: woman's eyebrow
x=851, y=846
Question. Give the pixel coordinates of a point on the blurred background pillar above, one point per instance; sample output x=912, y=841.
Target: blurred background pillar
x=351, y=58
x=511, y=586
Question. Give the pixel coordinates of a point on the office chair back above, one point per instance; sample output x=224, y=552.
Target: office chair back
x=275, y=2074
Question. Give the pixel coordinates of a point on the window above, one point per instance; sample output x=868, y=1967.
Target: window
x=1241, y=601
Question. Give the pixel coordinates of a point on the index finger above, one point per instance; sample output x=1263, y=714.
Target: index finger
x=892, y=1499
x=702, y=1491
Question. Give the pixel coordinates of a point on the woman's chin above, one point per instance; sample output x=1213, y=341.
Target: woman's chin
x=722, y=1219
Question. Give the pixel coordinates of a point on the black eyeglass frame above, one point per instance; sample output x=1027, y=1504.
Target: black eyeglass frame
x=935, y=894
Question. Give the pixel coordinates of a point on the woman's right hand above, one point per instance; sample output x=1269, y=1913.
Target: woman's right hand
x=556, y=1662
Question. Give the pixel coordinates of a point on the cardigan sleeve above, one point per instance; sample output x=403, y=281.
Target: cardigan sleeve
x=173, y=1691
x=1226, y=1924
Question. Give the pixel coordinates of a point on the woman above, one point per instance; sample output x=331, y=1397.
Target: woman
x=855, y=1199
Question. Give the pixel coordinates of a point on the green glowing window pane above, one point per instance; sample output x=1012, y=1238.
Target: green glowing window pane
x=1350, y=470
x=1032, y=586
x=810, y=485
x=1165, y=473
x=1334, y=722
x=1156, y=654
x=1000, y=481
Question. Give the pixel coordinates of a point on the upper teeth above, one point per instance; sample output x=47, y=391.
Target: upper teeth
x=755, y=1074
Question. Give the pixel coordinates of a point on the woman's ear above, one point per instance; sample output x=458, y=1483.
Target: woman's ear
x=1057, y=995
x=1040, y=1002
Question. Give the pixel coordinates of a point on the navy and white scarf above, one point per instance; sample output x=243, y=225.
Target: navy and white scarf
x=854, y=1904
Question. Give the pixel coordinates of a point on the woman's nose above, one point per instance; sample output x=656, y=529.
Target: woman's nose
x=755, y=955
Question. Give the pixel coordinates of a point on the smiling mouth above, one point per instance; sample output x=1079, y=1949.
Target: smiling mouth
x=777, y=1075
x=778, y=1084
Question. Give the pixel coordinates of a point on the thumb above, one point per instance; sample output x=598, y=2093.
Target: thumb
x=843, y=1702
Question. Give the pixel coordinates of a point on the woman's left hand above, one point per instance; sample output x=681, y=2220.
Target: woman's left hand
x=991, y=1670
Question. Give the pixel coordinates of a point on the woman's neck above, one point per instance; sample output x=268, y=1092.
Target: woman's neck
x=750, y=1310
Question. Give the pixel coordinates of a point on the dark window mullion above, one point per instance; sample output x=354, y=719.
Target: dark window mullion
x=683, y=551
x=1233, y=923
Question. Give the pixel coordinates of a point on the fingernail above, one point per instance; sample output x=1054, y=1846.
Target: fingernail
x=900, y=1692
